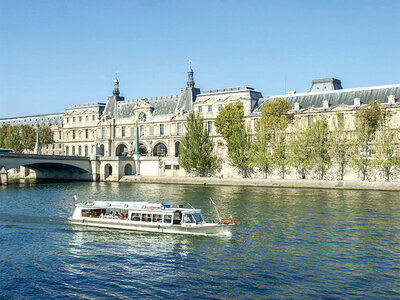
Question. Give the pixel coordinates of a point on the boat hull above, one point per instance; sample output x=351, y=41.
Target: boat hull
x=205, y=229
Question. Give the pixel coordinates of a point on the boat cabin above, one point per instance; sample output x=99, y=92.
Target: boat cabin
x=139, y=213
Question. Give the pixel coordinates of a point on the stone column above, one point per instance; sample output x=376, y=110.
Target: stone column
x=3, y=176
x=136, y=157
x=23, y=174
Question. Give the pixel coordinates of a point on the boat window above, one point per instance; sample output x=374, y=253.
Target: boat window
x=198, y=218
x=157, y=218
x=136, y=216
x=177, y=217
x=167, y=219
x=188, y=219
x=93, y=213
x=146, y=218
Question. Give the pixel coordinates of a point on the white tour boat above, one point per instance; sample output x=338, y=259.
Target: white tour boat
x=150, y=217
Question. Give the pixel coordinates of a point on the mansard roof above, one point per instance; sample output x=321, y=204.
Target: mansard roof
x=49, y=119
x=228, y=94
x=337, y=97
x=85, y=108
x=159, y=105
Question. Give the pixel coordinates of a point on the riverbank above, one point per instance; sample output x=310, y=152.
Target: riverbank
x=289, y=183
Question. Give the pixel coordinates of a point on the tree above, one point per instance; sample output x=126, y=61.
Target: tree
x=367, y=121
x=276, y=114
x=300, y=153
x=230, y=124
x=3, y=135
x=239, y=148
x=269, y=149
x=260, y=152
x=340, y=146
x=12, y=138
x=28, y=137
x=45, y=135
x=317, y=135
x=279, y=158
x=386, y=160
x=195, y=149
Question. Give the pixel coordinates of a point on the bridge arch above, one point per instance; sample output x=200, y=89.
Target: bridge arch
x=50, y=166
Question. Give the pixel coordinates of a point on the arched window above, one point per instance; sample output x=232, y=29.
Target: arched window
x=160, y=150
x=177, y=149
x=121, y=150
x=107, y=170
x=102, y=150
x=128, y=169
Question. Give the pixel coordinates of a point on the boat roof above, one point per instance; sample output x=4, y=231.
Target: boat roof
x=141, y=206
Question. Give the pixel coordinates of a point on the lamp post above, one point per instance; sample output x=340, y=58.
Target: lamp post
x=37, y=146
x=136, y=154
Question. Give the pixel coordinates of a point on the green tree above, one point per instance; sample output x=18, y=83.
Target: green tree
x=260, y=152
x=12, y=139
x=28, y=137
x=3, y=135
x=317, y=135
x=275, y=114
x=300, y=153
x=230, y=124
x=269, y=149
x=367, y=121
x=340, y=146
x=46, y=136
x=195, y=150
x=279, y=157
x=385, y=159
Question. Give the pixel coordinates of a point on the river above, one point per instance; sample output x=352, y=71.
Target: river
x=288, y=243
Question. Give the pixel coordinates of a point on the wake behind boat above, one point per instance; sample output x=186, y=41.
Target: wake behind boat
x=145, y=216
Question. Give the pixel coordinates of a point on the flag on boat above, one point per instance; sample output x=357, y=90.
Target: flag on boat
x=212, y=203
x=75, y=197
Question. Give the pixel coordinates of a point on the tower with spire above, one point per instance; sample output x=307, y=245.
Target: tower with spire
x=190, y=82
x=111, y=109
x=116, y=87
x=189, y=93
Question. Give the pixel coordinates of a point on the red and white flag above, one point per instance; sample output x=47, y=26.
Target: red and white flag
x=75, y=197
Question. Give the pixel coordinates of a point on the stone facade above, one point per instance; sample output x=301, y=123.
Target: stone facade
x=109, y=129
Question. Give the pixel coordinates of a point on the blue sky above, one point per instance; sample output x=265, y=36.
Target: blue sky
x=54, y=54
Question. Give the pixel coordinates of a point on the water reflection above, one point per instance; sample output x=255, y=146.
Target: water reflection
x=299, y=243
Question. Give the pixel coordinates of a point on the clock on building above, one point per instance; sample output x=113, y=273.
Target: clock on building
x=142, y=116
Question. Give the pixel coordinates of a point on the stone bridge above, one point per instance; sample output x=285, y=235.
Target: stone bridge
x=46, y=167
x=33, y=167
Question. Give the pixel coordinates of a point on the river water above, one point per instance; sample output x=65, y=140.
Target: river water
x=289, y=243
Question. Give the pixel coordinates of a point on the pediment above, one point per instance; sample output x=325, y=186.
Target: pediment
x=143, y=105
x=311, y=110
x=340, y=107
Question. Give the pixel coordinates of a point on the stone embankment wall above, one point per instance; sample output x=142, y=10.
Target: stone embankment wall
x=289, y=183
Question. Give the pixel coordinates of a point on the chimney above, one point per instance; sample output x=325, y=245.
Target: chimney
x=296, y=106
x=357, y=102
x=391, y=100
x=325, y=104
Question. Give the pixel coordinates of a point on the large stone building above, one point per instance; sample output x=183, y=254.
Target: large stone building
x=109, y=129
